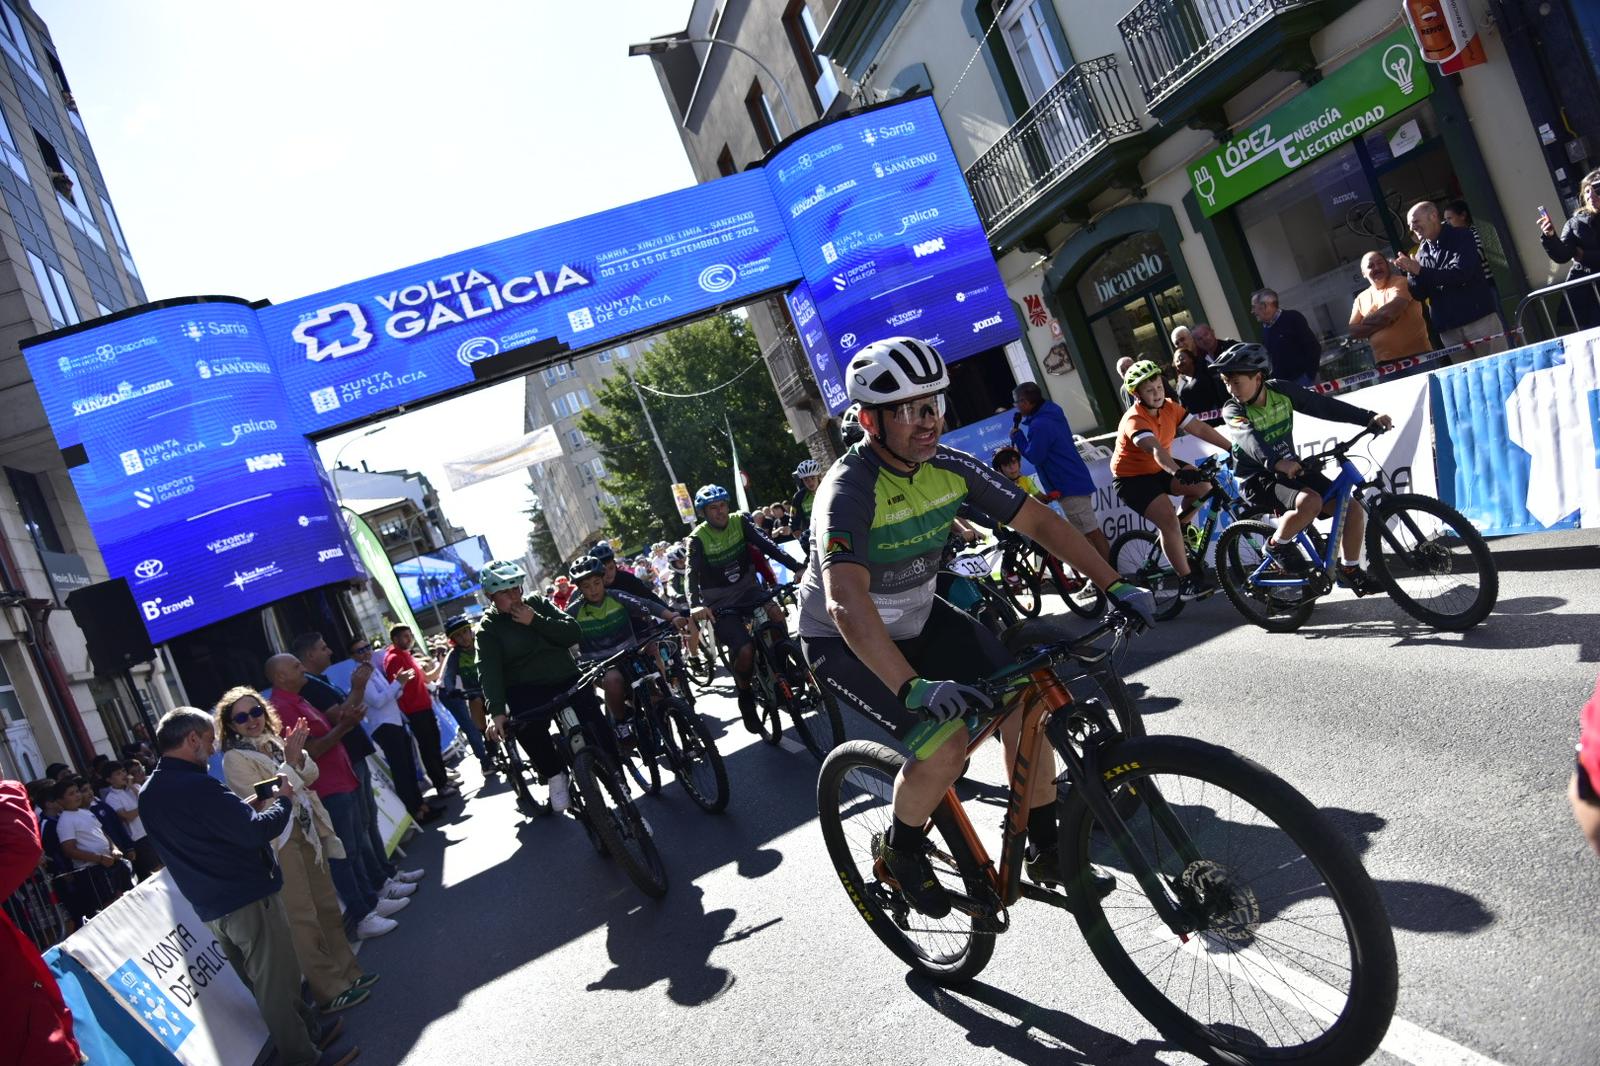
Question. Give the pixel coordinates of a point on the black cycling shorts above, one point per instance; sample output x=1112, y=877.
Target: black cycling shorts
x=953, y=646
x=729, y=622
x=1278, y=493
x=1141, y=490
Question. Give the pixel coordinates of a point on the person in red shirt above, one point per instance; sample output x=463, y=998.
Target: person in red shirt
x=563, y=592
x=417, y=703
x=31, y=1008
x=359, y=884
x=1581, y=790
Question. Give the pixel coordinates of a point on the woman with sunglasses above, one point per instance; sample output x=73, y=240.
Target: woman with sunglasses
x=256, y=750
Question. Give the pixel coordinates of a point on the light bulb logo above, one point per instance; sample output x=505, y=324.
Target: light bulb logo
x=1398, y=69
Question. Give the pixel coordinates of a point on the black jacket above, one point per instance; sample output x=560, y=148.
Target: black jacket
x=1451, y=279
x=1578, y=243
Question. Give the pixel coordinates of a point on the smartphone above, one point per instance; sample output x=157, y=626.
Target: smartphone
x=265, y=789
x=1542, y=212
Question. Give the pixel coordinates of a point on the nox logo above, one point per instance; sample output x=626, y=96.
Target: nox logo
x=333, y=332
x=194, y=331
x=271, y=461
x=928, y=247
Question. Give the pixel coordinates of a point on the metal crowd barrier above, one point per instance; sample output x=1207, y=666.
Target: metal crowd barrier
x=1561, y=293
x=47, y=908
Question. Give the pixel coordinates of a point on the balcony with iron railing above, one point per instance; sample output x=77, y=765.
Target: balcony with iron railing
x=787, y=363
x=1079, y=136
x=1191, y=55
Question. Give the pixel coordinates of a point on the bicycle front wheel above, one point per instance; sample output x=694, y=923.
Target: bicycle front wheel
x=1021, y=580
x=811, y=705
x=616, y=821
x=1287, y=954
x=855, y=804
x=1432, y=562
x=1138, y=557
x=640, y=758
x=1275, y=608
x=693, y=754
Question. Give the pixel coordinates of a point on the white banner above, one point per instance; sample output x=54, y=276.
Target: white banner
x=159, y=960
x=537, y=447
x=393, y=818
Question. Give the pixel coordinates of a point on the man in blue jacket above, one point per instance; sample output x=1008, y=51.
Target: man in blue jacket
x=1290, y=341
x=219, y=851
x=1040, y=431
x=1447, y=271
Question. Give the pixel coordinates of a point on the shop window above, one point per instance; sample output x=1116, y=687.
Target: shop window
x=1133, y=302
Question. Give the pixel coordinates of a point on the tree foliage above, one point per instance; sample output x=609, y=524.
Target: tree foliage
x=691, y=359
x=541, y=541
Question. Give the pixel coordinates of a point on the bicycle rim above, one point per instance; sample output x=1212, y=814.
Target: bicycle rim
x=694, y=757
x=641, y=764
x=1290, y=956
x=616, y=821
x=769, y=700
x=813, y=708
x=1432, y=562
x=1021, y=580
x=855, y=806
x=517, y=770
x=1138, y=557
x=1240, y=550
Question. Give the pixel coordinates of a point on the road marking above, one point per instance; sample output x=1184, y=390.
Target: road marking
x=1405, y=1040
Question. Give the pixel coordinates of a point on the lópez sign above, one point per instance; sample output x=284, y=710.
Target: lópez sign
x=1375, y=86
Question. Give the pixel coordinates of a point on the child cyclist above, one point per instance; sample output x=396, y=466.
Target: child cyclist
x=1008, y=461
x=609, y=620
x=1144, y=473
x=1260, y=416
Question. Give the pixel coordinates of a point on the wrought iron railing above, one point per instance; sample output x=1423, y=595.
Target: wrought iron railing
x=1080, y=114
x=1168, y=40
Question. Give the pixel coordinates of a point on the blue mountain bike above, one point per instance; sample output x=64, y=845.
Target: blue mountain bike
x=1424, y=554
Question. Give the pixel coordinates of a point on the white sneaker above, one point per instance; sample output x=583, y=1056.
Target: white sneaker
x=374, y=925
x=387, y=907
x=393, y=889
x=560, y=796
x=407, y=877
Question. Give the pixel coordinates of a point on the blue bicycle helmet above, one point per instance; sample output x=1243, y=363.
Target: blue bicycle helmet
x=456, y=623
x=709, y=494
x=585, y=566
x=603, y=552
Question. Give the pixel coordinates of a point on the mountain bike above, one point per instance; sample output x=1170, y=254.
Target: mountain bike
x=1023, y=565
x=1423, y=552
x=1140, y=559
x=1241, y=923
x=784, y=683
x=508, y=760
x=704, y=671
x=966, y=579
x=668, y=733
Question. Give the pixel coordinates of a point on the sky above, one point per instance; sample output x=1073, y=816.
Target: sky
x=271, y=151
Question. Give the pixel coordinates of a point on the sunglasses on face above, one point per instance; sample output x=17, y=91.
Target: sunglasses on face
x=363, y=650
x=913, y=411
x=242, y=717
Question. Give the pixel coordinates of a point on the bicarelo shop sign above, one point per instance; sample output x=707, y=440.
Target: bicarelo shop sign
x=1384, y=80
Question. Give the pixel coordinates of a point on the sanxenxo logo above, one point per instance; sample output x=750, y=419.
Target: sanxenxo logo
x=928, y=247
x=477, y=348
x=150, y=568
x=334, y=332
x=984, y=323
x=270, y=461
x=718, y=277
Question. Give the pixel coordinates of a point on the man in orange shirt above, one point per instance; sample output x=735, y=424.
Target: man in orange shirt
x=1145, y=474
x=1386, y=315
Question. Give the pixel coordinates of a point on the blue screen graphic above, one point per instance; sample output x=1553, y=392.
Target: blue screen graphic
x=200, y=488
x=199, y=481
x=450, y=572
x=886, y=233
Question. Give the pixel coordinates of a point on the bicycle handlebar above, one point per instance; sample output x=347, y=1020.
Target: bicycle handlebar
x=1084, y=650
x=1340, y=450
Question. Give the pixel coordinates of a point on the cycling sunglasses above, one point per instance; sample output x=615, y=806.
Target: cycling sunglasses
x=913, y=411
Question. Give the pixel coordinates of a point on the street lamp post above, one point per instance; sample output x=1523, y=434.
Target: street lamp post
x=657, y=47
x=337, y=495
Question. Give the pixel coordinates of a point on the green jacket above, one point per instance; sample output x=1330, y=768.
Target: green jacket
x=538, y=653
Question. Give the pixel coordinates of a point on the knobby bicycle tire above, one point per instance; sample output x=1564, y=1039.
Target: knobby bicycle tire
x=642, y=760
x=995, y=609
x=1236, y=893
x=1137, y=556
x=1021, y=581
x=769, y=701
x=617, y=822
x=856, y=774
x=692, y=752
x=1392, y=561
x=812, y=706
x=1239, y=552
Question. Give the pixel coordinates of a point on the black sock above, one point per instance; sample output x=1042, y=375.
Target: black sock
x=905, y=835
x=1042, y=827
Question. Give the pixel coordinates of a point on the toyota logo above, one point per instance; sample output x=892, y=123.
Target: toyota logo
x=149, y=568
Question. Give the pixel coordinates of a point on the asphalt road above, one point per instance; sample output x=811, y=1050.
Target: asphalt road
x=1443, y=757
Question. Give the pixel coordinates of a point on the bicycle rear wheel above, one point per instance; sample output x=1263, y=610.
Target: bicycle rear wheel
x=1138, y=557
x=769, y=702
x=1288, y=955
x=693, y=755
x=1432, y=562
x=1275, y=608
x=1020, y=579
x=811, y=705
x=616, y=821
x=642, y=758
x=994, y=609
x=855, y=803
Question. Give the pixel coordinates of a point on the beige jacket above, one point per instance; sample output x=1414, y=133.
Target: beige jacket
x=243, y=767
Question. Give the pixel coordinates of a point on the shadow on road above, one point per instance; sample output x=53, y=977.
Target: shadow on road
x=1525, y=623
x=671, y=941
x=1027, y=1032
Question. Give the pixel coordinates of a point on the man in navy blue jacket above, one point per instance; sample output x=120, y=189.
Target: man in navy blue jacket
x=1447, y=271
x=219, y=851
x=1040, y=431
x=1289, y=339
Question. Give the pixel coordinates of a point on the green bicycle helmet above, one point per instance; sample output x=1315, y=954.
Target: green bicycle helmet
x=1138, y=374
x=501, y=574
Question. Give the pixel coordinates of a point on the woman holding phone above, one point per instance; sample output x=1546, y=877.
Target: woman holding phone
x=1579, y=244
x=256, y=757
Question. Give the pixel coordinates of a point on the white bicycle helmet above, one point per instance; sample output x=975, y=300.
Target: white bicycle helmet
x=895, y=369
x=808, y=468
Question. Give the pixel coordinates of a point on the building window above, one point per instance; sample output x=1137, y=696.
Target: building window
x=10, y=706
x=14, y=41
x=725, y=164
x=116, y=235
x=8, y=146
x=576, y=438
x=35, y=508
x=755, y=103
x=63, y=295
x=47, y=291
x=801, y=28
x=605, y=356
x=1028, y=37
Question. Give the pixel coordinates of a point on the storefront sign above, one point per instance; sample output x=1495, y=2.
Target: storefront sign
x=66, y=571
x=1147, y=266
x=1129, y=266
x=1381, y=82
